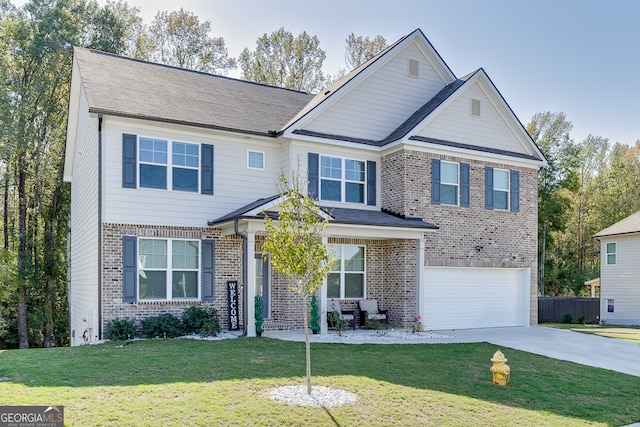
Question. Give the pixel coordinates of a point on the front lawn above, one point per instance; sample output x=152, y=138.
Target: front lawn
x=619, y=332
x=183, y=382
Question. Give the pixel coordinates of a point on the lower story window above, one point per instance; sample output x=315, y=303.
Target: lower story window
x=168, y=269
x=347, y=276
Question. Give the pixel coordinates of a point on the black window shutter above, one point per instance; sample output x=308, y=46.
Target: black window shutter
x=488, y=188
x=515, y=191
x=314, y=175
x=371, y=183
x=435, y=181
x=206, y=169
x=208, y=281
x=129, y=160
x=465, y=175
x=129, y=269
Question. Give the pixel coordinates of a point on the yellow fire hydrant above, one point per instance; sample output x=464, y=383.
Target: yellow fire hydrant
x=500, y=370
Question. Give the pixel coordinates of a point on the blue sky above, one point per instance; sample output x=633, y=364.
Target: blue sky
x=575, y=56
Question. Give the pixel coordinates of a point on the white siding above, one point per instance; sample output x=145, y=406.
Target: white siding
x=456, y=124
x=83, y=290
x=382, y=101
x=621, y=282
x=235, y=185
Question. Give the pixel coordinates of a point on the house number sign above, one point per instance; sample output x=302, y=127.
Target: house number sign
x=232, y=293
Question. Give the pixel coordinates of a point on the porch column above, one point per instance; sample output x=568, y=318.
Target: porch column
x=250, y=280
x=324, y=328
x=420, y=279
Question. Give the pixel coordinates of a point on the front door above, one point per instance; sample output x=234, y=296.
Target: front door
x=262, y=283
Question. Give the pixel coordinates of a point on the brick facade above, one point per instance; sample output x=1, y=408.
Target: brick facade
x=228, y=266
x=504, y=239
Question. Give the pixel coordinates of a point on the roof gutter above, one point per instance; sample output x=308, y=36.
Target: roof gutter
x=244, y=277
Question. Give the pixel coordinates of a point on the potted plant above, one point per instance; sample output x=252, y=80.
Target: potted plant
x=315, y=318
x=259, y=320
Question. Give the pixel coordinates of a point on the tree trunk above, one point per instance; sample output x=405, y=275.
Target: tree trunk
x=307, y=344
x=23, y=329
x=5, y=217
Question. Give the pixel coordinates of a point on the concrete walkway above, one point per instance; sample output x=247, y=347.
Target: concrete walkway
x=591, y=350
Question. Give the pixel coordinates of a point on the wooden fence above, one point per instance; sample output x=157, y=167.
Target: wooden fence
x=556, y=309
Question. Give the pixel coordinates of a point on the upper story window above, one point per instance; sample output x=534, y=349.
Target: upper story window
x=449, y=179
x=347, y=276
x=611, y=253
x=168, y=269
x=255, y=160
x=450, y=183
x=185, y=163
x=338, y=179
x=159, y=163
x=502, y=189
x=342, y=180
x=153, y=163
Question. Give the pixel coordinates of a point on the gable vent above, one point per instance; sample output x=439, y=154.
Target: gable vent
x=414, y=68
x=475, y=107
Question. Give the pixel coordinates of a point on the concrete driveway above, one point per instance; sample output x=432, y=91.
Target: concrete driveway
x=586, y=349
x=591, y=350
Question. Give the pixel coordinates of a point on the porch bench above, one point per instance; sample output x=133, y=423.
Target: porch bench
x=369, y=310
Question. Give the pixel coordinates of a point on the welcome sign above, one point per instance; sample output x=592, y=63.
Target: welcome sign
x=232, y=295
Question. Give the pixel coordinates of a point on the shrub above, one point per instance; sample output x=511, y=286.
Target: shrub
x=164, y=326
x=315, y=318
x=258, y=315
x=200, y=320
x=567, y=318
x=120, y=330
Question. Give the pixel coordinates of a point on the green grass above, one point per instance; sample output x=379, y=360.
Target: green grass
x=619, y=332
x=184, y=382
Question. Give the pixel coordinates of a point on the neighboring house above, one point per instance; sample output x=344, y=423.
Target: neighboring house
x=430, y=182
x=620, y=272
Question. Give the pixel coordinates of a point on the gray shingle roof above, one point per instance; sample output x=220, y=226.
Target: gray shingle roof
x=630, y=224
x=339, y=216
x=131, y=88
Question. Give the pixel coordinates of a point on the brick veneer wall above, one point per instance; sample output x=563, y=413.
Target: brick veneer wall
x=390, y=274
x=228, y=266
x=507, y=239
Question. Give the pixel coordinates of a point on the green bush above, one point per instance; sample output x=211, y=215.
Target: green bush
x=164, y=326
x=120, y=330
x=200, y=320
x=567, y=318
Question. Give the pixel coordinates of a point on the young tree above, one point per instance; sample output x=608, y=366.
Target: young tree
x=179, y=39
x=296, y=250
x=284, y=61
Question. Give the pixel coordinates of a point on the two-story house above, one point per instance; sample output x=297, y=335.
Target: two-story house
x=429, y=181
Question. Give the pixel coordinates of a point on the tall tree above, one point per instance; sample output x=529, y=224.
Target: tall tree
x=180, y=39
x=361, y=49
x=282, y=60
x=114, y=27
x=551, y=132
x=294, y=246
x=36, y=51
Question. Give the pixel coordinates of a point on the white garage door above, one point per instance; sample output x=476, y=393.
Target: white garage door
x=466, y=298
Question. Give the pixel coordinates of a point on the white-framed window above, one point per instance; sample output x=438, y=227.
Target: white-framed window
x=154, y=164
x=255, y=160
x=168, y=269
x=501, y=189
x=449, y=183
x=342, y=180
x=347, y=276
x=611, y=253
